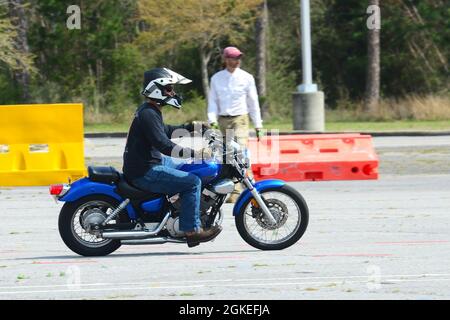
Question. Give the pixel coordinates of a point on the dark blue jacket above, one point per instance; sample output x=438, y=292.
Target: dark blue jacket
x=147, y=138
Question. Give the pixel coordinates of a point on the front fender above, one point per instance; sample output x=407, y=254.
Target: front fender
x=260, y=186
x=85, y=187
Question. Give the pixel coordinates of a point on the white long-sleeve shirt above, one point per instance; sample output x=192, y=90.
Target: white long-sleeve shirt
x=233, y=94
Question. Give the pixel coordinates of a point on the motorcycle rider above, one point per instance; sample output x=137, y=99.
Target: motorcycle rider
x=148, y=164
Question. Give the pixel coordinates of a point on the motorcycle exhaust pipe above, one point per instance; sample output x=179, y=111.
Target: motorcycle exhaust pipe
x=138, y=234
x=159, y=240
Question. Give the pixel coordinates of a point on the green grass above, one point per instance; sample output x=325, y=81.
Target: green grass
x=186, y=294
x=340, y=126
x=405, y=125
x=106, y=127
x=366, y=126
x=260, y=265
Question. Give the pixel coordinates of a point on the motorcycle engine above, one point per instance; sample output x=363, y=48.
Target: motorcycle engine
x=173, y=227
x=207, y=200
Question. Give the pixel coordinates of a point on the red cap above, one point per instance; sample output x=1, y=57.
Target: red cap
x=232, y=52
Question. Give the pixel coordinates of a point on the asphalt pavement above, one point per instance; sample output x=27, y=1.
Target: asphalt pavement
x=376, y=239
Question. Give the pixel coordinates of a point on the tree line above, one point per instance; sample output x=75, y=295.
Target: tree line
x=102, y=63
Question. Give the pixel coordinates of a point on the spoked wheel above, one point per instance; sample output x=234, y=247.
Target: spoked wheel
x=290, y=212
x=75, y=220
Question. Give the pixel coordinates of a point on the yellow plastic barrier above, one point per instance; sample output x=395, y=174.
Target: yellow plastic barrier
x=41, y=144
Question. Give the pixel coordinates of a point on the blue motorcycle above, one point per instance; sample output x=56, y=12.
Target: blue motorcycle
x=104, y=211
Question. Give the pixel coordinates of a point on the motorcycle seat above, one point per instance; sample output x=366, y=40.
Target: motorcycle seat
x=107, y=175
x=126, y=190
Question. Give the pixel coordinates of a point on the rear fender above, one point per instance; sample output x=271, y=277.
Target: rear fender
x=260, y=186
x=85, y=187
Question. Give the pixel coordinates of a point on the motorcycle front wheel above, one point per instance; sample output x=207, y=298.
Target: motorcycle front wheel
x=290, y=212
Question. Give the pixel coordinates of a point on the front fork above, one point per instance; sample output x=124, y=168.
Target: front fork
x=259, y=200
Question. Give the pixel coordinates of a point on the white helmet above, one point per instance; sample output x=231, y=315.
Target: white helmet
x=155, y=82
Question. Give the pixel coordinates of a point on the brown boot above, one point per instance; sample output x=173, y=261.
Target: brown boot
x=195, y=237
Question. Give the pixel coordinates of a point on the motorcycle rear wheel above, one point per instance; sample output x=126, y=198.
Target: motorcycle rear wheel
x=73, y=233
x=257, y=232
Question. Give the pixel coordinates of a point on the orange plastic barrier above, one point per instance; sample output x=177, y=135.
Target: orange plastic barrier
x=314, y=157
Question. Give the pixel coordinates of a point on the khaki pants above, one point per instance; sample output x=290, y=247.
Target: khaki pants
x=238, y=127
x=235, y=127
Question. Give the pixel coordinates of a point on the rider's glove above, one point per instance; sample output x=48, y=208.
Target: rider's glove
x=204, y=153
x=214, y=125
x=258, y=133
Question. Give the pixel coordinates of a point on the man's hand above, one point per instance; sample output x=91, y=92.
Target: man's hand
x=258, y=133
x=204, y=153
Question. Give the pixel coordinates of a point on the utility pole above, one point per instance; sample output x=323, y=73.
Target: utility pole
x=261, y=56
x=308, y=102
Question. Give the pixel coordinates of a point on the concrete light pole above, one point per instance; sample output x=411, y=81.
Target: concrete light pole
x=309, y=109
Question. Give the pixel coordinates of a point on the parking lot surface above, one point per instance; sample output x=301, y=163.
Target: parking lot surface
x=383, y=239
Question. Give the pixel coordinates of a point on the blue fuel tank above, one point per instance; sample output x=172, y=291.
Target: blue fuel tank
x=206, y=171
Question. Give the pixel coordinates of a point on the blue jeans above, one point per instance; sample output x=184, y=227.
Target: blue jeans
x=166, y=179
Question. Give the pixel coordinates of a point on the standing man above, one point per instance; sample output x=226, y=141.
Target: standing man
x=232, y=99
